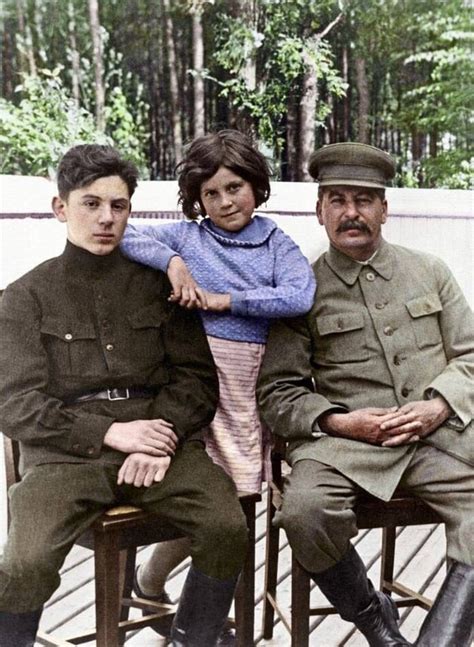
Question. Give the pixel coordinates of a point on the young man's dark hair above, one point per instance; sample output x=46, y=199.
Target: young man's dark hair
x=87, y=163
x=206, y=154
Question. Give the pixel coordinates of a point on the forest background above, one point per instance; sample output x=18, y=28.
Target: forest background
x=150, y=75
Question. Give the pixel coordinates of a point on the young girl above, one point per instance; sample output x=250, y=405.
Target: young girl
x=242, y=271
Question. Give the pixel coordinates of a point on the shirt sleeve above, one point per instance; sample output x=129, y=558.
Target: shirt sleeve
x=28, y=413
x=189, y=399
x=456, y=382
x=153, y=245
x=285, y=390
x=293, y=289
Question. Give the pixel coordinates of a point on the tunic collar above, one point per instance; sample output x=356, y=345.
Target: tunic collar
x=76, y=259
x=348, y=270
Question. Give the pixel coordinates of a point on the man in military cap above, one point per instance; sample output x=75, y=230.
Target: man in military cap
x=373, y=390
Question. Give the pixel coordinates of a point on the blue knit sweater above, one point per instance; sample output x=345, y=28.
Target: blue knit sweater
x=261, y=268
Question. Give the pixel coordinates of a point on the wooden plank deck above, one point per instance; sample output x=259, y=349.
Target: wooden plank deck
x=420, y=560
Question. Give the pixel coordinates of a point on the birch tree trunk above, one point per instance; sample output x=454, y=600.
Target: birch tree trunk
x=307, y=117
x=364, y=101
x=98, y=64
x=27, y=55
x=198, y=81
x=75, y=67
x=173, y=79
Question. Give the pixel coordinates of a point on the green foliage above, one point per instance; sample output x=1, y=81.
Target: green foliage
x=35, y=133
x=285, y=37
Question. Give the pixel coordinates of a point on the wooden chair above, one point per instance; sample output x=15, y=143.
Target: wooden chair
x=401, y=510
x=114, y=538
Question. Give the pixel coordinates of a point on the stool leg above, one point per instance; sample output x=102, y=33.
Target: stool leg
x=300, y=593
x=387, y=560
x=271, y=569
x=245, y=592
x=107, y=588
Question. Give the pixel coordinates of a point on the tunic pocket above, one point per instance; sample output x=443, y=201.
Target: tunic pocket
x=71, y=347
x=146, y=341
x=341, y=338
x=424, y=317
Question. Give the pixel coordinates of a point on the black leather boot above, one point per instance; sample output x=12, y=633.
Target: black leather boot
x=450, y=622
x=348, y=589
x=202, y=611
x=19, y=629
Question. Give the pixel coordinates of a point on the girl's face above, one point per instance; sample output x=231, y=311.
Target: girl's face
x=228, y=200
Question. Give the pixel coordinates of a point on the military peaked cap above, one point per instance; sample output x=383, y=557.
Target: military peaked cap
x=353, y=164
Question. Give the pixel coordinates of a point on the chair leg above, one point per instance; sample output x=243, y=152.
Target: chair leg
x=271, y=569
x=387, y=559
x=107, y=587
x=245, y=592
x=127, y=567
x=300, y=594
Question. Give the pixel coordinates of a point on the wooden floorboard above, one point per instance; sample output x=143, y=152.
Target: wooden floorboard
x=419, y=563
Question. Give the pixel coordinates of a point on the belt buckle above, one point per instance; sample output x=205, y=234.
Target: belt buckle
x=114, y=394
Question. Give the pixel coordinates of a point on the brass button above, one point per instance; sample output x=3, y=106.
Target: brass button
x=380, y=306
x=405, y=392
x=109, y=347
x=397, y=360
x=68, y=336
x=370, y=276
x=90, y=451
x=388, y=330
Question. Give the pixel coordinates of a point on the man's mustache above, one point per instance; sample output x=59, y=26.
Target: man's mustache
x=354, y=224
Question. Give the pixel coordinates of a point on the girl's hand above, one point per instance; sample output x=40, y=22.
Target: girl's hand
x=186, y=291
x=217, y=302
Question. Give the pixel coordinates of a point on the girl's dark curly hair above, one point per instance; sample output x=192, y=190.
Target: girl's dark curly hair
x=204, y=156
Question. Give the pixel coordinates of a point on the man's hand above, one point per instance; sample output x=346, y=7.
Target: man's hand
x=142, y=470
x=368, y=426
x=423, y=415
x=153, y=437
x=186, y=291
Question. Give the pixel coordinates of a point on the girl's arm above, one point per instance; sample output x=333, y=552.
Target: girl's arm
x=293, y=289
x=159, y=248
x=153, y=246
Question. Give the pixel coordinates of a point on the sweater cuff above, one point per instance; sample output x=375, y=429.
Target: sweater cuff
x=238, y=305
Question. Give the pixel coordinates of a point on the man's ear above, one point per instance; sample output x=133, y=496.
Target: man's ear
x=58, y=205
x=319, y=213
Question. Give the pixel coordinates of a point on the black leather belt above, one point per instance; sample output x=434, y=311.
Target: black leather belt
x=127, y=393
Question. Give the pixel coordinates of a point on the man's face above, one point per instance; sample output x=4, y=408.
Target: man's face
x=95, y=215
x=353, y=218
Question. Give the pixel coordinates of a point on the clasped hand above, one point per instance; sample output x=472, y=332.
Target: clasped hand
x=188, y=294
x=388, y=427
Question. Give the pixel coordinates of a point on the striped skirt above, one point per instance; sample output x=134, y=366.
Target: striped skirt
x=236, y=439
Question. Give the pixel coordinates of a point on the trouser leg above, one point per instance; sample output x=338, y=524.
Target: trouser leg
x=50, y=508
x=447, y=485
x=318, y=516
x=198, y=498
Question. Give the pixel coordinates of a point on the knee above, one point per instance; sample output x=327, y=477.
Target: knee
x=304, y=514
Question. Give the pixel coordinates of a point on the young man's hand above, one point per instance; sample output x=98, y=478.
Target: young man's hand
x=142, y=470
x=154, y=437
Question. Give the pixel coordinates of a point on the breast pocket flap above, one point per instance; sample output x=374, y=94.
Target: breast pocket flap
x=150, y=316
x=428, y=304
x=67, y=331
x=340, y=323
